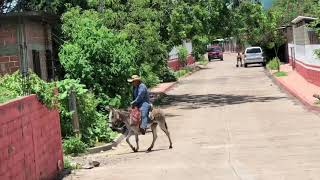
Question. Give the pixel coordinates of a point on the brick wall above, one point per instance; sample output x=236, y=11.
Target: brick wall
x=38, y=38
x=9, y=61
x=176, y=65
x=8, y=64
x=30, y=140
x=8, y=34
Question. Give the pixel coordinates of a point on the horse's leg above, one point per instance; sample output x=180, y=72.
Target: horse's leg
x=154, y=133
x=128, y=141
x=137, y=142
x=164, y=127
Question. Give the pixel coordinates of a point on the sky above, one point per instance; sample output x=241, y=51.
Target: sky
x=266, y=3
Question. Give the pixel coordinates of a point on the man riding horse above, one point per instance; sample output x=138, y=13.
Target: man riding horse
x=141, y=100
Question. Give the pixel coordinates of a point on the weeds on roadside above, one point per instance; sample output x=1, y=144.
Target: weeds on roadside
x=274, y=64
x=68, y=164
x=280, y=74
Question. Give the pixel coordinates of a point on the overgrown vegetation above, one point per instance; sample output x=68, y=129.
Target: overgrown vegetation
x=182, y=55
x=14, y=86
x=68, y=164
x=74, y=146
x=93, y=123
x=280, y=74
x=203, y=61
x=274, y=64
x=183, y=71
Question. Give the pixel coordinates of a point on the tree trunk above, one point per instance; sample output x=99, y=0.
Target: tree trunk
x=276, y=50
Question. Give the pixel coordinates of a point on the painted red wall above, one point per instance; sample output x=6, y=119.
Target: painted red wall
x=30, y=140
x=311, y=74
x=176, y=65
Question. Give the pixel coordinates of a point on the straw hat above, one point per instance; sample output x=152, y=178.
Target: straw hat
x=134, y=78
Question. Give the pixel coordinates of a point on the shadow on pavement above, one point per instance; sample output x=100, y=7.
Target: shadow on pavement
x=255, y=65
x=188, y=101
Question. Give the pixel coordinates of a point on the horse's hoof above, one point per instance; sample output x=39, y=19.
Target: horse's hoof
x=135, y=150
x=170, y=147
x=149, y=150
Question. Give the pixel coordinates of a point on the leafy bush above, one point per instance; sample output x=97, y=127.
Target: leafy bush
x=199, y=46
x=182, y=55
x=203, y=61
x=6, y=94
x=167, y=75
x=148, y=76
x=100, y=58
x=274, y=64
x=15, y=85
x=183, y=71
x=68, y=164
x=93, y=124
x=74, y=146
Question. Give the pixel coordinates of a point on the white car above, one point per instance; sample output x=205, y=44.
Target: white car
x=254, y=55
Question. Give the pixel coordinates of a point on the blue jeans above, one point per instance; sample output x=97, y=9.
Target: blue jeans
x=144, y=109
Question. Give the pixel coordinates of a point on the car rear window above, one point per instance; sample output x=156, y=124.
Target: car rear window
x=214, y=49
x=254, y=50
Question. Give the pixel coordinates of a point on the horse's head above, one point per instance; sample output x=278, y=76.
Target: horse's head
x=115, y=122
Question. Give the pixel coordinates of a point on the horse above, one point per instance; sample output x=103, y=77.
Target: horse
x=156, y=116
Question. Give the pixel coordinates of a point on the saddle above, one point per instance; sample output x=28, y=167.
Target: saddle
x=135, y=115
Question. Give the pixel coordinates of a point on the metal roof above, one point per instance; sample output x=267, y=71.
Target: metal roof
x=301, y=18
x=43, y=16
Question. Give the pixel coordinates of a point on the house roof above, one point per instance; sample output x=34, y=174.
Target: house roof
x=39, y=16
x=301, y=18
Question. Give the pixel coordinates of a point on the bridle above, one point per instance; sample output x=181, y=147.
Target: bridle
x=118, y=121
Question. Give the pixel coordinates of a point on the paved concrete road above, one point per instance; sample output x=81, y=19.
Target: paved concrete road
x=227, y=123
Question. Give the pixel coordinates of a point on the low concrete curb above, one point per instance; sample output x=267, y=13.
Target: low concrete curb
x=108, y=146
x=292, y=92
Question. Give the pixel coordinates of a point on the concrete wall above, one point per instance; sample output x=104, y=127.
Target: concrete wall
x=176, y=65
x=173, y=61
x=305, y=53
x=30, y=140
x=305, y=61
x=173, y=54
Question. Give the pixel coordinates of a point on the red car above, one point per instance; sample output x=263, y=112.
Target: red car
x=215, y=52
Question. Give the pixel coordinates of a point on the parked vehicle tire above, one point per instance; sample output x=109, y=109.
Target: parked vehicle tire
x=245, y=65
x=263, y=64
x=221, y=59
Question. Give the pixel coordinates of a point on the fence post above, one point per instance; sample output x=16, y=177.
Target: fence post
x=73, y=110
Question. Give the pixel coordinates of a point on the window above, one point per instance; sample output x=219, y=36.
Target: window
x=214, y=49
x=50, y=66
x=36, y=62
x=253, y=50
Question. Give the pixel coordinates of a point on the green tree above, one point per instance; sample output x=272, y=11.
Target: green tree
x=100, y=58
x=200, y=22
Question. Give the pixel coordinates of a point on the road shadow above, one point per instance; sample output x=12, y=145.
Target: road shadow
x=171, y=115
x=255, y=65
x=187, y=101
